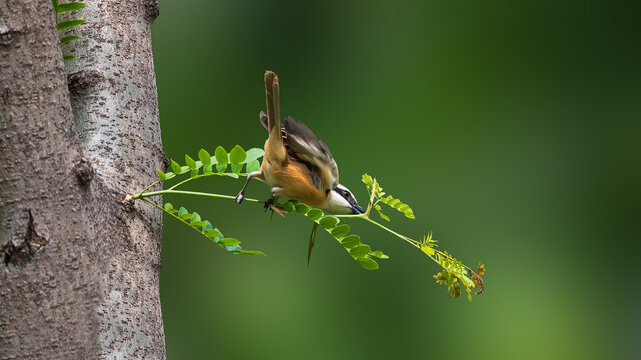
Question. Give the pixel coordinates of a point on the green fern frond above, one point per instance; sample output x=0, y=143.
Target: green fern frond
x=64, y=25
x=61, y=8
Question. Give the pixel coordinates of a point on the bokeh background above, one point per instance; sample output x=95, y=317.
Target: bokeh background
x=511, y=128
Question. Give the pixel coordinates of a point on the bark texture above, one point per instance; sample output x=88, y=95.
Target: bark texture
x=79, y=266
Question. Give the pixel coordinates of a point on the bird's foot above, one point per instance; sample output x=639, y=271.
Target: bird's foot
x=239, y=198
x=271, y=205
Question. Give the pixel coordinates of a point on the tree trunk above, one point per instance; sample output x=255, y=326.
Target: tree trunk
x=79, y=265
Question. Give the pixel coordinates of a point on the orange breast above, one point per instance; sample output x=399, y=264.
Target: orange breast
x=294, y=182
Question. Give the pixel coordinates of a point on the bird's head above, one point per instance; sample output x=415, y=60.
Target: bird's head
x=340, y=201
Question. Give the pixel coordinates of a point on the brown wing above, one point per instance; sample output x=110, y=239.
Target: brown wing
x=303, y=145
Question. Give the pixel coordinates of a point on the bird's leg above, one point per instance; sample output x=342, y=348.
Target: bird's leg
x=241, y=194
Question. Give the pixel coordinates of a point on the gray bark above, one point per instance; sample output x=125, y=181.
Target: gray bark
x=79, y=266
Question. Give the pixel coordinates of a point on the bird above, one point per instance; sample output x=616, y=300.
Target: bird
x=297, y=165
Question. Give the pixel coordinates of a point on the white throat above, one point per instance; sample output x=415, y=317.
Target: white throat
x=336, y=204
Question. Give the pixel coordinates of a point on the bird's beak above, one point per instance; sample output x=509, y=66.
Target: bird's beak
x=358, y=210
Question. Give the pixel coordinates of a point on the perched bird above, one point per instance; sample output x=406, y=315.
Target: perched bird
x=297, y=165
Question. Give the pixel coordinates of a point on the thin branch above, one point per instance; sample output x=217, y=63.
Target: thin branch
x=164, y=192
x=150, y=186
x=204, y=175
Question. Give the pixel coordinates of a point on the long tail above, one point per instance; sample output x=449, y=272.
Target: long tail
x=274, y=144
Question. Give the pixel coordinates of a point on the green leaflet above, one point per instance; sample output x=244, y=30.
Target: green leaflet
x=161, y=175
x=248, y=252
x=351, y=241
x=367, y=263
x=314, y=214
x=328, y=222
x=60, y=8
x=228, y=242
x=221, y=155
x=190, y=162
x=360, y=251
x=379, y=254
x=69, y=24
x=175, y=167
x=66, y=39
x=236, y=168
x=254, y=154
x=237, y=155
x=252, y=166
x=302, y=209
x=204, y=157
x=340, y=231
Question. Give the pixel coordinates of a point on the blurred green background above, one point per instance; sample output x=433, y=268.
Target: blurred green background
x=511, y=128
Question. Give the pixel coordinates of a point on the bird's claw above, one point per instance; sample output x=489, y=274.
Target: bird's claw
x=239, y=198
x=277, y=210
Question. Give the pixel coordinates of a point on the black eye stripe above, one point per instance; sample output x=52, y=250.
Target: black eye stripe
x=346, y=195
